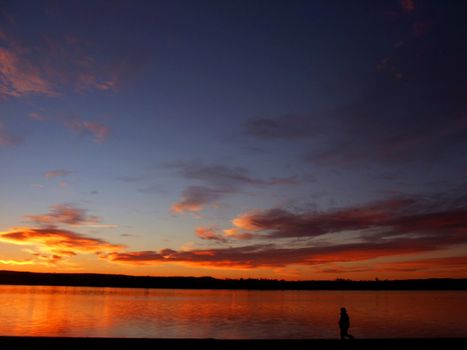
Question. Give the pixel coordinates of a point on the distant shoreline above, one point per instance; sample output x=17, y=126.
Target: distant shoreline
x=69, y=343
x=127, y=281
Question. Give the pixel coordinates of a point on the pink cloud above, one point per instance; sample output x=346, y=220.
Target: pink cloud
x=38, y=116
x=18, y=77
x=53, y=64
x=99, y=131
x=89, y=81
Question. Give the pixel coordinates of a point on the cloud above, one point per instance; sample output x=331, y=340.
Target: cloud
x=97, y=130
x=224, y=176
x=398, y=227
x=451, y=263
x=38, y=116
x=20, y=77
x=17, y=262
x=217, y=181
x=430, y=216
x=418, y=117
x=57, y=173
x=412, y=109
x=282, y=128
x=237, y=234
x=65, y=214
x=407, y=6
x=283, y=223
x=209, y=233
x=271, y=255
x=62, y=243
x=196, y=198
x=214, y=234
x=51, y=64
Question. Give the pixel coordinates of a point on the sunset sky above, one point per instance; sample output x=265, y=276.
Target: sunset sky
x=273, y=139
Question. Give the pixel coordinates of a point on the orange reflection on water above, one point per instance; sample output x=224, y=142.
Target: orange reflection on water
x=165, y=313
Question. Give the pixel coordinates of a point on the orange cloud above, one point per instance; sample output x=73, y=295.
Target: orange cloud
x=64, y=214
x=270, y=255
x=61, y=243
x=246, y=221
x=209, y=233
x=456, y=262
x=236, y=234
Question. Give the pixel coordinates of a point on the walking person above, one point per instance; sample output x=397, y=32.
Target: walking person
x=344, y=324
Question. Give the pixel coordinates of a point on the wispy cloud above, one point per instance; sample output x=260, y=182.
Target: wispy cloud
x=217, y=181
x=271, y=255
x=38, y=116
x=284, y=223
x=53, y=64
x=455, y=262
x=98, y=131
x=57, y=173
x=215, y=234
x=196, y=198
x=209, y=233
x=433, y=217
x=64, y=214
x=20, y=77
x=226, y=176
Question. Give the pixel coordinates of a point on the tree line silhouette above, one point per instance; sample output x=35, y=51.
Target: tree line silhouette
x=109, y=280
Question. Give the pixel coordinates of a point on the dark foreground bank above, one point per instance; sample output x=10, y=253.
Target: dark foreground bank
x=51, y=343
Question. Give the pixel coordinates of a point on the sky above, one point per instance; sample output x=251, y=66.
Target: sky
x=236, y=139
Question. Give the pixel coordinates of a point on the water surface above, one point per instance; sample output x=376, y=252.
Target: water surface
x=176, y=313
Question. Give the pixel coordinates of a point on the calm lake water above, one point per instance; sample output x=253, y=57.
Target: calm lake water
x=175, y=313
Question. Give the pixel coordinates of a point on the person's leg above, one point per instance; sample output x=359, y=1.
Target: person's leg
x=343, y=333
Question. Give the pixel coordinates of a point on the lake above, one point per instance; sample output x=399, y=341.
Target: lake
x=182, y=313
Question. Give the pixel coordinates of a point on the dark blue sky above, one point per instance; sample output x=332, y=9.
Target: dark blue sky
x=296, y=139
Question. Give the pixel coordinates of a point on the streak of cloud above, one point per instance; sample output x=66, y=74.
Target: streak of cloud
x=64, y=214
x=217, y=181
x=57, y=173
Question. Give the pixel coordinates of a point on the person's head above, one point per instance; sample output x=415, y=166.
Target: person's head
x=343, y=310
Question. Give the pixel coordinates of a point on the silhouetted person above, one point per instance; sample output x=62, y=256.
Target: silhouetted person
x=344, y=324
